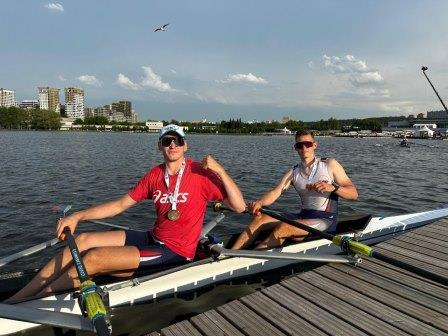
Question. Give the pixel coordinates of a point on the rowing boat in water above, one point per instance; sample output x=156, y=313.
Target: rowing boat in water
x=199, y=274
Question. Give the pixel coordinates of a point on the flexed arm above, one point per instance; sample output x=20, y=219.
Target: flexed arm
x=234, y=196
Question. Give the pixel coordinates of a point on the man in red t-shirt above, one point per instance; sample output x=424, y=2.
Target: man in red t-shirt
x=180, y=189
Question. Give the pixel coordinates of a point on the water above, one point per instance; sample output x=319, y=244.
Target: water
x=40, y=169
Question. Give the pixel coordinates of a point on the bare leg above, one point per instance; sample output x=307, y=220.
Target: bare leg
x=59, y=264
x=279, y=235
x=259, y=223
x=99, y=260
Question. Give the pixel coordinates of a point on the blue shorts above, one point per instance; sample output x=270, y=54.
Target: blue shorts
x=152, y=253
x=320, y=220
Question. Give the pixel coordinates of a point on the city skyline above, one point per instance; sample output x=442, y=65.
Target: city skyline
x=250, y=60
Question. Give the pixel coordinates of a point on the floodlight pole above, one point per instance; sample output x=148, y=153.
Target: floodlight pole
x=424, y=68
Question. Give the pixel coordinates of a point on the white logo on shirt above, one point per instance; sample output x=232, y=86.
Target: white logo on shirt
x=165, y=198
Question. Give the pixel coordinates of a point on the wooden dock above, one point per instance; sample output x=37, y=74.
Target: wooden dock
x=372, y=298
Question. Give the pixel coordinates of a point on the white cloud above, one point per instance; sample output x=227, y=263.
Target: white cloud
x=355, y=76
x=248, y=78
x=346, y=64
x=126, y=83
x=55, y=6
x=89, y=80
x=151, y=79
x=61, y=78
x=357, y=70
x=173, y=71
x=373, y=77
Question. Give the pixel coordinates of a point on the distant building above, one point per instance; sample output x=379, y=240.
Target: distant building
x=134, y=117
x=283, y=131
x=437, y=114
x=399, y=123
x=74, y=102
x=88, y=112
x=117, y=116
x=418, y=126
x=49, y=99
x=285, y=120
x=29, y=104
x=125, y=107
x=154, y=126
x=7, y=98
x=103, y=111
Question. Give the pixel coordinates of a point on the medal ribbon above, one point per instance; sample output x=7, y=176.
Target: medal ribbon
x=173, y=197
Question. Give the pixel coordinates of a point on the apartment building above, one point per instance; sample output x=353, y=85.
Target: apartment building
x=74, y=102
x=7, y=98
x=49, y=99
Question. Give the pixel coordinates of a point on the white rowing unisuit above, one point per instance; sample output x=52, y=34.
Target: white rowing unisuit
x=311, y=199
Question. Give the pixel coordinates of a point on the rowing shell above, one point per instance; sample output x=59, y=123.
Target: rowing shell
x=199, y=274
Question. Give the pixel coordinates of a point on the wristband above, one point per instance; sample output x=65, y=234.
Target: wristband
x=336, y=187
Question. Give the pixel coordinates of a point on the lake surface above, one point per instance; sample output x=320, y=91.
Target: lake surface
x=41, y=169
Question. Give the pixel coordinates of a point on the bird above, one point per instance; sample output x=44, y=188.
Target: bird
x=161, y=28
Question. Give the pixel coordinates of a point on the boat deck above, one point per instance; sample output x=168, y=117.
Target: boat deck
x=373, y=298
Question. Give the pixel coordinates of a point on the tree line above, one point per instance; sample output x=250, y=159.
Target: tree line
x=22, y=119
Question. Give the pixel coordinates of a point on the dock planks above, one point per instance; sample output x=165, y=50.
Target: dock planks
x=373, y=298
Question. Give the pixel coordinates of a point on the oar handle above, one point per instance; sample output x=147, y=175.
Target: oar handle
x=77, y=260
x=91, y=299
x=219, y=207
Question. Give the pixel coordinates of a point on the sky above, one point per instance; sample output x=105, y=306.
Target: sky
x=254, y=59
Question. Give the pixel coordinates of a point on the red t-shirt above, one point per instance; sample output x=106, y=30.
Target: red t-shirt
x=198, y=186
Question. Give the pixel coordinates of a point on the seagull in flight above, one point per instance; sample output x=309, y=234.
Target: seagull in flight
x=161, y=28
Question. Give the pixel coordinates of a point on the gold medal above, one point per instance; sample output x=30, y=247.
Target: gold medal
x=173, y=215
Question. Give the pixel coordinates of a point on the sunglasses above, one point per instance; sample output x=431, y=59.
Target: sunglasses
x=166, y=142
x=303, y=144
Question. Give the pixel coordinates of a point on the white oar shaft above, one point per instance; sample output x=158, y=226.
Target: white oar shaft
x=284, y=255
x=108, y=224
x=28, y=251
x=210, y=225
x=56, y=319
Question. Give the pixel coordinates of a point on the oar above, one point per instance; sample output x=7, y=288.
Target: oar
x=39, y=247
x=91, y=300
x=219, y=250
x=344, y=242
x=41, y=316
x=28, y=251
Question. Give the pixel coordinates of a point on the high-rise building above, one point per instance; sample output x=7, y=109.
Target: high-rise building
x=134, y=117
x=125, y=107
x=7, y=98
x=49, y=99
x=74, y=102
x=29, y=104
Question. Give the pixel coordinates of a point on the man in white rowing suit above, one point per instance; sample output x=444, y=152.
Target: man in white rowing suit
x=319, y=182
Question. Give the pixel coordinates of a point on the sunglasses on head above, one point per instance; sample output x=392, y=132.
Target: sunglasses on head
x=166, y=142
x=302, y=144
